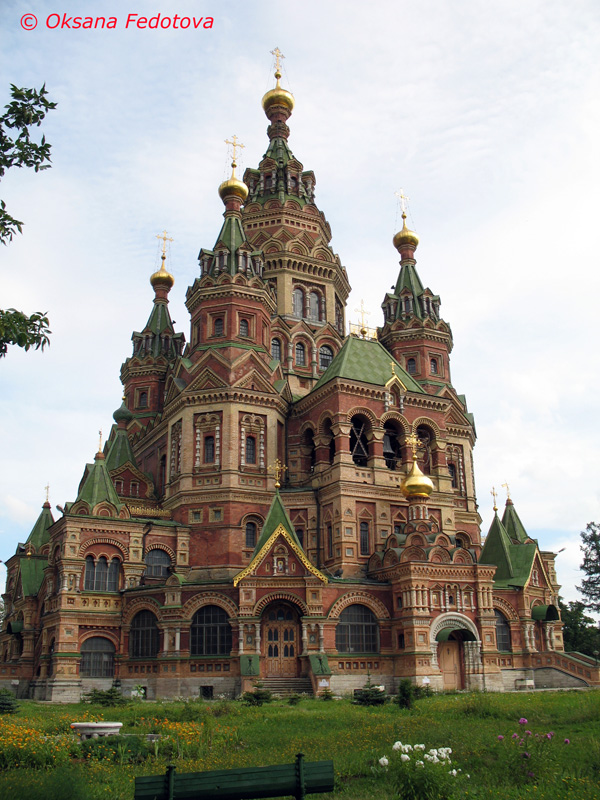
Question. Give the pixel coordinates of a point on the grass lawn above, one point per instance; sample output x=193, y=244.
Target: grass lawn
x=39, y=759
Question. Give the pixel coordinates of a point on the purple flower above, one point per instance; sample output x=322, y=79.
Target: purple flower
x=500, y=738
x=515, y=736
x=522, y=721
x=527, y=733
x=549, y=735
x=530, y=775
x=567, y=741
x=526, y=755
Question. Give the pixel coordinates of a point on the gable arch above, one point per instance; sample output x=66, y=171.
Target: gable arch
x=209, y=599
x=142, y=604
x=361, y=411
x=275, y=596
x=325, y=416
x=429, y=423
x=160, y=546
x=113, y=638
x=414, y=554
x=506, y=608
x=358, y=598
x=439, y=555
x=452, y=620
x=394, y=416
x=104, y=540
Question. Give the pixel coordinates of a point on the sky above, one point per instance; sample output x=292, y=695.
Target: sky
x=486, y=114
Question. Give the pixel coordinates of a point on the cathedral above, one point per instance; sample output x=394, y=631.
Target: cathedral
x=278, y=500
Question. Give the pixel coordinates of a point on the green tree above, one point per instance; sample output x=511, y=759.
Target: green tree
x=580, y=632
x=27, y=109
x=590, y=585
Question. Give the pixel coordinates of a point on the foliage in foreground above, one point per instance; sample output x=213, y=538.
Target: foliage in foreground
x=8, y=702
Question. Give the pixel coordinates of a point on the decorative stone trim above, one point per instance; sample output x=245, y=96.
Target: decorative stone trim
x=364, y=599
x=271, y=598
x=209, y=599
x=104, y=540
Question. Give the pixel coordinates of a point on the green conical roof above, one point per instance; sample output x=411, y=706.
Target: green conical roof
x=276, y=516
x=512, y=523
x=40, y=532
x=368, y=361
x=496, y=550
x=409, y=279
x=32, y=574
x=120, y=451
x=97, y=486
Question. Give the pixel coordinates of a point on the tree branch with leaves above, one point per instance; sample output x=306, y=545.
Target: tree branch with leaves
x=27, y=109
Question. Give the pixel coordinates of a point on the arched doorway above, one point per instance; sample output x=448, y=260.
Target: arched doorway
x=281, y=641
x=451, y=656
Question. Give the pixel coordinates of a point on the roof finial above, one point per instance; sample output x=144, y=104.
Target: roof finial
x=233, y=187
x=277, y=468
x=235, y=143
x=100, y=442
x=47, y=488
x=506, y=486
x=405, y=238
x=278, y=97
x=278, y=56
x=363, y=313
x=494, y=495
x=403, y=201
x=165, y=239
x=162, y=279
x=413, y=442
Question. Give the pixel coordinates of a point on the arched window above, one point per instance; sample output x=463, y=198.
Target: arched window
x=244, y=329
x=411, y=366
x=276, y=349
x=309, y=444
x=425, y=437
x=327, y=430
x=364, y=539
x=112, y=584
x=392, y=446
x=250, y=450
x=210, y=632
x=313, y=307
x=434, y=367
x=97, y=658
x=357, y=631
x=90, y=572
x=452, y=473
x=209, y=449
x=329, y=541
x=359, y=445
x=251, y=534
x=143, y=636
x=219, y=326
x=300, y=355
x=300, y=535
x=134, y=489
x=143, y=400
x=503, y=640
x=157, y=564
x=101, y=576
x=298, y=303
x=325, y=356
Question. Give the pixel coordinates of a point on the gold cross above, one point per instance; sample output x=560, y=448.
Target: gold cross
x=165, y=239
x=403, y=199
x=413, y=442
x=494, y=495
x=277, y=469
x=234, y=145
x=47, y=488
x=505, y=486
x=100, y=442
x=278, y=55
x=362, y=313
x=393, y=365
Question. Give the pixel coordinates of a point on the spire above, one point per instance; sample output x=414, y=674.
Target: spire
x=514, y=527
x=40, y=534
x=120, y=451
x=96, y=486
x=496, y=550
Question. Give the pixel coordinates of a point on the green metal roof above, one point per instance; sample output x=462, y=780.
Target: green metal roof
x=32, y=574
x=514, y=561
x=97, y=486
x=368, y=361
x=40, y=535
x=120, y=451
x=276, y=516
x=512, y=523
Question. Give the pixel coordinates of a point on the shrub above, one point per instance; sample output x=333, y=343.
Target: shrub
x=257, y=696
x=370, y=695
x=406, y=693
x=8, y=702
x=294, y=699
x=109, y=697
x=120, y=749
x=326, y=694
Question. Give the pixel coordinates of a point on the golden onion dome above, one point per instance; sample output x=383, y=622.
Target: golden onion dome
x=416, y=484
x=406, y=237
x=162, y=277
x=233, y=186
x=278, y=97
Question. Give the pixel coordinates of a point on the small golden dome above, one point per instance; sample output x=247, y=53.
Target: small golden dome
x=278, y=97
x=162, y=277
x=233, y=186
x=416, y=484
x=406, y=237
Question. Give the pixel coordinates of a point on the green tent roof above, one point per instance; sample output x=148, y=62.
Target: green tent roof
x=32, y=574
x=276, y=516
x=513, y=561
x=512, y=523
x=97, y=486
x=120, y=451
x=40, y=532
x=368, y=361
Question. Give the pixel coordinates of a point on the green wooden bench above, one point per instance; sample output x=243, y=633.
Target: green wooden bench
x=247, y=783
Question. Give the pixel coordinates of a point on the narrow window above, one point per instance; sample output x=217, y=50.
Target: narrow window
x=276, y=349
x=434, y=366
x=113, y=575
x=452, y=471
x=144, y=636
x=209, y=449
x=90, y=569
x=503, y=640
x=250, y=450
x=300, y=355
x=411, y=366
x=244, y=327
x=251, y=534
x=298, y=303
x=325, y=356
x=143, y=400
x=157, y=564
x=101, y=575
x=134, y=489
x=313, y=307
x=364, y=538
x=300, y=535
x=329, y=542
x=219, y=326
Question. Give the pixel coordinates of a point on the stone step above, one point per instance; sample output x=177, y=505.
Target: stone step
x=286, y=686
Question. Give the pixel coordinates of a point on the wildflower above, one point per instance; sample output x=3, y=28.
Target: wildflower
x=404, y=757
x=522, y=721
x=530, y=775
x=567, y=741
x=527, y=733
x=419, y=747
x=550, y=734
x=419, y=764
x=397, y=746
x=453, y=773
x=526, y=755
x=383, y=761
x=500, y=737
x=515, y=736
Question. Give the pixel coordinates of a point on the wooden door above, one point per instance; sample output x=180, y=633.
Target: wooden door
x=280, y=638
x=449, y=661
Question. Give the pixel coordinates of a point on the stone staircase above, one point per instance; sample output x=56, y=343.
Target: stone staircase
x=281, y=687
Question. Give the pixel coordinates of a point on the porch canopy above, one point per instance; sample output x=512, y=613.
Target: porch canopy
x=465, y=635
x=544, y=612
x=15, y=627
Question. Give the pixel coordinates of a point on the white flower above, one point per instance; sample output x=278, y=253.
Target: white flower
x=397, y=746
x=468, y=776
x=435, y=760
x=433, y=752
x=419, y=747
x=419, y=764
x=453, y=772
x=383, y=761
x=404, y=757
x=427, y=757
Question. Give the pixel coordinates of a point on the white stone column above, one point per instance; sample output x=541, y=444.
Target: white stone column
x=304, y=639
x=321, y=638
x=257, y=636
